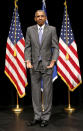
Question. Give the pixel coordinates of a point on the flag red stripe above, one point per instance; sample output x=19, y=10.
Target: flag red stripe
x=20, y=51
x=65, y=78
x=65, y=51
x=19, y=63
x=22, y=67
x=15, y=69
x=10, y=49
x=74, y=64
x=22, y=41
x=68, y=69
x=14, y=80
x=73, y=50
x=70, y=59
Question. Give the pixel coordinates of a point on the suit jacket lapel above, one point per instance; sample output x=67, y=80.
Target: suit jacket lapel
x=36, y=35
x=44, y=33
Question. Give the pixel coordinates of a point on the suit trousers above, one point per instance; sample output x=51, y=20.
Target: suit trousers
x=36, y=76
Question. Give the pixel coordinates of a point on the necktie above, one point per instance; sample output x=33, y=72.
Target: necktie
x=40, y=35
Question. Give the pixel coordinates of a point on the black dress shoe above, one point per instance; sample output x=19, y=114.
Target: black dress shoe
x=44, y=123
x=33, y=122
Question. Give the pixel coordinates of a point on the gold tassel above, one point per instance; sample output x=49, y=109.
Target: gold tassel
x=15, y=53
x=67, y=56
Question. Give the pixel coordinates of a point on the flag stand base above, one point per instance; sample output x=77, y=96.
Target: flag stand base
x=69, y=109
x=17, y=109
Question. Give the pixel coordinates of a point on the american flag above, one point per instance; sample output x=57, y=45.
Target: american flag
x=68, y=63
x=15, y=68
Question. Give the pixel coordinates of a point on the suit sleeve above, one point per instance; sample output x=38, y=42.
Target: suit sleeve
x=55, y=46
x=27, y=51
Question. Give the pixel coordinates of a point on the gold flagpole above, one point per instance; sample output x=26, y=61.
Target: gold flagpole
x=16, y=7
x=69, y=109
x=42, y=101
x=17, y=110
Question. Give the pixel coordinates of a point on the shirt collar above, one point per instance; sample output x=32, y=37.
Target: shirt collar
x=41, y=26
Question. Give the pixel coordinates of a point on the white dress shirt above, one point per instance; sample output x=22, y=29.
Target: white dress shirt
x=41, y=27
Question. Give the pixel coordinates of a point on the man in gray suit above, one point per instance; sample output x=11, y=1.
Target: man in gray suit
x=41, y=53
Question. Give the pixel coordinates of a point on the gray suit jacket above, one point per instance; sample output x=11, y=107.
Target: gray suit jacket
x=48, y=50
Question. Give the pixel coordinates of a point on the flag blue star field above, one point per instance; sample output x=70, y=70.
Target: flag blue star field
x=68, y=63
x=15, y=68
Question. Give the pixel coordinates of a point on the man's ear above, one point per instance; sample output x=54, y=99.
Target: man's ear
x=35, y=19
x=46, y=17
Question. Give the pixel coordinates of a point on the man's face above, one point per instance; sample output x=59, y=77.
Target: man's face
x=40, y=18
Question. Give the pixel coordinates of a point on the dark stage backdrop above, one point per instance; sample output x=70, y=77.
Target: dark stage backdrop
x=26, y=10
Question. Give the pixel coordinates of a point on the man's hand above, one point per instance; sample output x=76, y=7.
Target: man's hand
x=51, y=64
x=29, y=65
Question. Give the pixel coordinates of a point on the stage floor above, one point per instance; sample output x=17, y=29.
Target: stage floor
x=60, y=120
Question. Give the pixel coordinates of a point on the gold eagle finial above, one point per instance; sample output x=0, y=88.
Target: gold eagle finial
x=16, y=6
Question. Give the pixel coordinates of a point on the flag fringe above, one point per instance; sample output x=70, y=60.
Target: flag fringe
x=21, y=96
x=68, y=84
x=54, y=78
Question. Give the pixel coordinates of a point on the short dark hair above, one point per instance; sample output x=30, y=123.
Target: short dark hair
x=40, y=11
